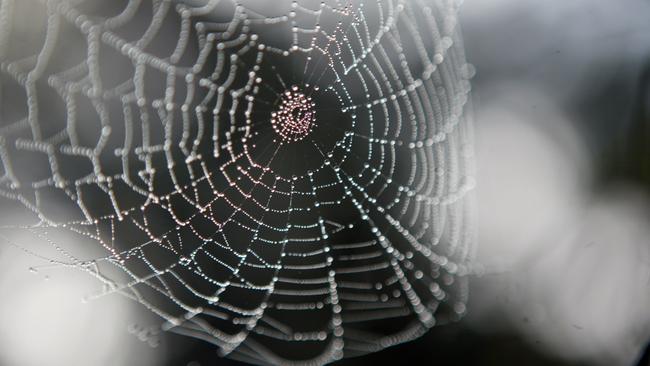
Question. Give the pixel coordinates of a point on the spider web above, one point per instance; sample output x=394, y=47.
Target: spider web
x=142, y=128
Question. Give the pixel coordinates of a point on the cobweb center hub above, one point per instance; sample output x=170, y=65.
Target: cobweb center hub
x=295, y=117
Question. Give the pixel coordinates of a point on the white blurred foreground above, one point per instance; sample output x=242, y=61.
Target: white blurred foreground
x=574, y=270
x=45, y=322
x=570, y=265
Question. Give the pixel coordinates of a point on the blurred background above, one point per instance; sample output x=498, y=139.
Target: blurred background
x=562, y=118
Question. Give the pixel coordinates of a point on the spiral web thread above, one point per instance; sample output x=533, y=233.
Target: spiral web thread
x=167, y=169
